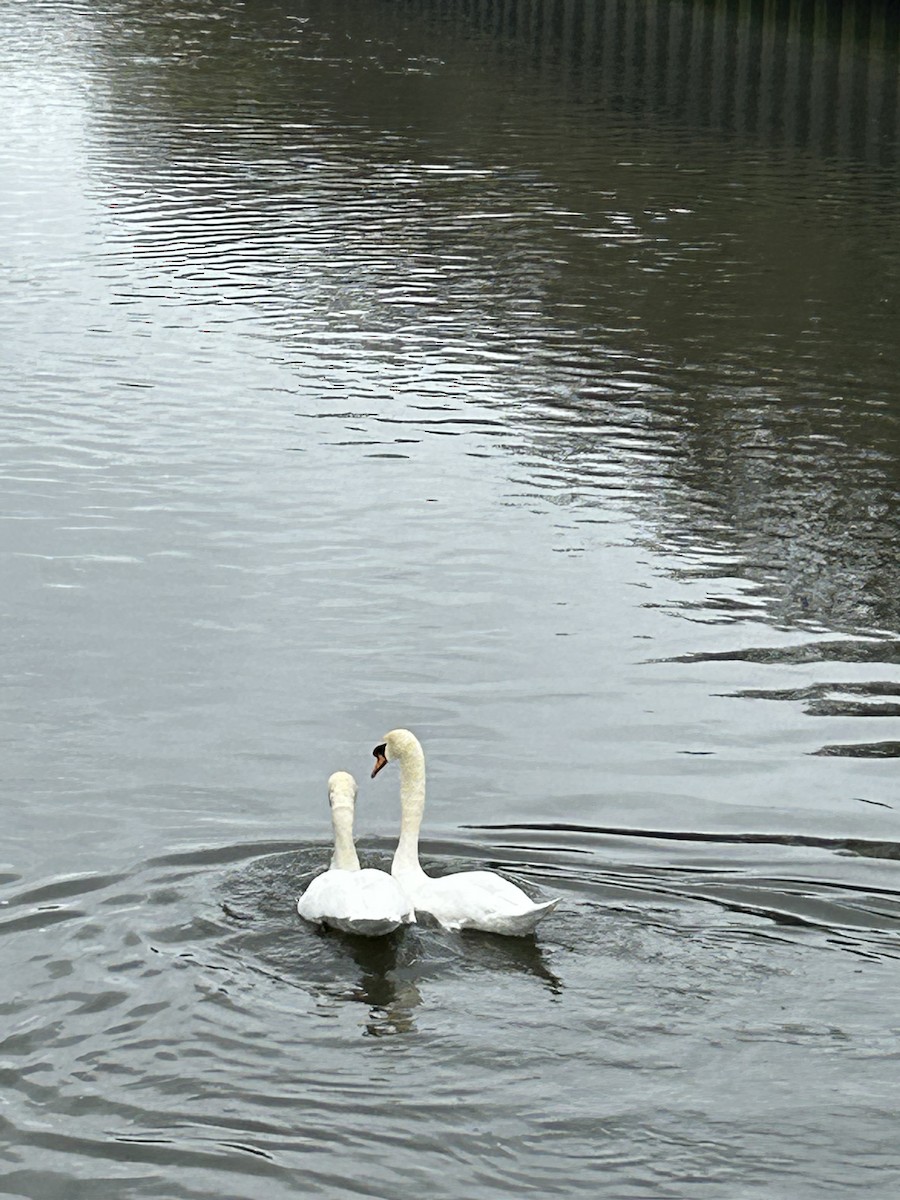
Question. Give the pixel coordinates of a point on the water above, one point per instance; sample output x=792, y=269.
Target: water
x=524, y=374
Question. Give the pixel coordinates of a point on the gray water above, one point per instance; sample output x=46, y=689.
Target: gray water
x=524, y=374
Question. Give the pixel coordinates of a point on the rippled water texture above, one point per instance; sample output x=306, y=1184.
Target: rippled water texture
x=523, y=373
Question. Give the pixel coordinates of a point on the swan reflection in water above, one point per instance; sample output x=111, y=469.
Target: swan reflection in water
x=391, y=975
x=385, y=983
x=394, y=970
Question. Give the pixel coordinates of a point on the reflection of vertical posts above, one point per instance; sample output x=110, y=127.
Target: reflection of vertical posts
x=610, y=37
x=874, y=95
x=505, y=18
x=539, y=16
x=802, y=72
x=511, y=24
x=493, y=18
x=664, y=46
x=546, y=49
x=568, y=51
x=508, y=20
x=674, y=65
x=743, y=107
x=844, y=100
x=721, y=59
x=697, y=98
x=652, y=65
x=793, y=48
x=818, y=75
x=891, y=109
x=531, y=29
x=882, y=85
x=630, y=69
x=521, y=19
x=589, y=45
x=767, y=69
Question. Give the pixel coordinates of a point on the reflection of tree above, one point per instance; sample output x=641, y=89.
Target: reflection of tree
x=806, y=496
x=800, y=500
x=804, y=71
x=708, y=328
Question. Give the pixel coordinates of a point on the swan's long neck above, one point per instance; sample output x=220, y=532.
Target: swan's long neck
x=343, y=857
x=411, y=762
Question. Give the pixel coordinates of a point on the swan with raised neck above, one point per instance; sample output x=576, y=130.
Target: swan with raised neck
x=342, y=792
x=464, y=900
x=366, y=901
x=405, y=749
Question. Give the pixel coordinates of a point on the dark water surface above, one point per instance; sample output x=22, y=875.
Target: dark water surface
x=526, y=374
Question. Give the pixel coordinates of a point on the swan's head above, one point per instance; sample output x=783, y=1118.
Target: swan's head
x=397, y=744
x=341, y=790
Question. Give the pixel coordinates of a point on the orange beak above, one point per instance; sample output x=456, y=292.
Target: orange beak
x=380, y=761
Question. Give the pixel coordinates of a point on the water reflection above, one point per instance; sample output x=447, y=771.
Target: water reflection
x=386, y=984
x=487, y=952
x=857, y=913
x=426, y=357
x=834, y=698
x=387, y=975
x=695, y=330
x=806, y=73
x=393, y=971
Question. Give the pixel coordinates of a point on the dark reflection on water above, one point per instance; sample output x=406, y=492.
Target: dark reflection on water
x=692, y=325
x=525, y=373
x=808, y=74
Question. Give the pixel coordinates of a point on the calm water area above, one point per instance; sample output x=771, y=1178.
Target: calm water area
x=525, y=373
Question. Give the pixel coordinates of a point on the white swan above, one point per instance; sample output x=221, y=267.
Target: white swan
x=467, y=899
x=368, y=902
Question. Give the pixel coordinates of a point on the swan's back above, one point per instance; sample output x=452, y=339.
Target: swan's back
x=480, y=900
x=366, y=902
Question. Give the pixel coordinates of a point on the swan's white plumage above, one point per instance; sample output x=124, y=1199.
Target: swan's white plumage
x=467, y=899
x=366, y=902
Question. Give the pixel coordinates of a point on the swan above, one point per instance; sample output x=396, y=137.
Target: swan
x=467, y=899
x=367, y=902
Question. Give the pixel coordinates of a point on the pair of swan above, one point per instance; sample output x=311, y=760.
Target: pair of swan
x=367, y=902
x=373, y=902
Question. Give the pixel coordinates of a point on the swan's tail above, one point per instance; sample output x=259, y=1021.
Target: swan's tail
x=521, y=924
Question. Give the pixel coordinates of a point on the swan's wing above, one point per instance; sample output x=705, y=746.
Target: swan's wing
x=492, y=885
x=318, y=899
x=379, y=894
x=480, y=900
x=346, y=897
